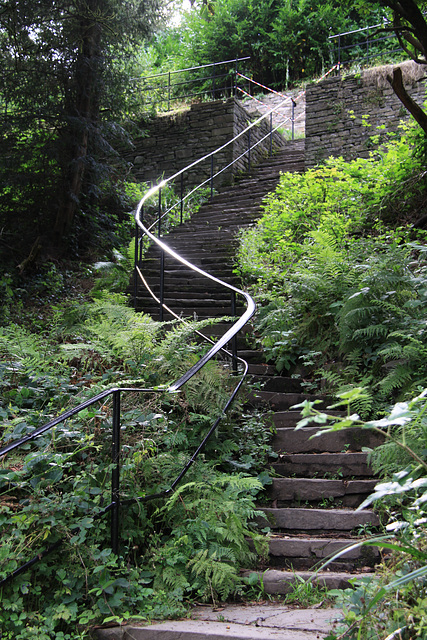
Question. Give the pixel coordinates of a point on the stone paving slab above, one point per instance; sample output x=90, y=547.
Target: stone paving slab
x=264, y=621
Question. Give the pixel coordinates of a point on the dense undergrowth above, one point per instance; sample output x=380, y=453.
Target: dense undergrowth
x=338, y=265
x=55, y=488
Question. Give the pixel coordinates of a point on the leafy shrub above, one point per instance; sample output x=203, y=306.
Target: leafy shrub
x=337, y=287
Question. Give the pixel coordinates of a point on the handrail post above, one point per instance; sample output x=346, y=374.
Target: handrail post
x=169, y=91
x=135, y=273
x=213, y=83
x=115, y=475
x=234, y=338
x=367, y=47
x=249, y=151
x=162, y=260
x=271, y=134
x=212, y=171
x=293, y=118
x=181, y=215
x=141, y=244
x=235, y=79
x=339, y=54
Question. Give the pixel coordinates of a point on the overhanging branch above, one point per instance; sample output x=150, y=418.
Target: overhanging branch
x=414, y=109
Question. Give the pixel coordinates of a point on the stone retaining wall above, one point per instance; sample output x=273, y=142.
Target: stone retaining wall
x=343, y=114
x=174, y=141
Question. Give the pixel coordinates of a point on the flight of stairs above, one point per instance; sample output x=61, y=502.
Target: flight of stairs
x=208, y=240
x=318, y=483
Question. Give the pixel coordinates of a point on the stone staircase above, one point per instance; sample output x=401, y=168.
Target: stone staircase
x=310, y=507
x=317, y=483
x=209, y=241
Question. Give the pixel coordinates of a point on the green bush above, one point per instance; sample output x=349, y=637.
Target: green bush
x=338, y=287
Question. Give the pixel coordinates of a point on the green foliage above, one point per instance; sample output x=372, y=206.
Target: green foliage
x=209, y=538
x=338, y=288
x=286, y=41
x=392, y=602
x=55, y=488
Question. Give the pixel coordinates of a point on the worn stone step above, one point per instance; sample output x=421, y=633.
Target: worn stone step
x=262, y=369
x=313, y=550
x=283, y=623
x=330, y=520
x=289, y=418
x=320, y=465
x=278, y=401
x=350, y=493
x=305, y=440
x=277, y=383
x=252, y=356
x=276, y=581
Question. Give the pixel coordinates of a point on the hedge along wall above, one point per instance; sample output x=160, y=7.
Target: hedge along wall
x=173, y=141
x=343, y=113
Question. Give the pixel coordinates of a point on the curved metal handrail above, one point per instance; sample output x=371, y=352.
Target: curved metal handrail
x=116, y=501
x=250, y=309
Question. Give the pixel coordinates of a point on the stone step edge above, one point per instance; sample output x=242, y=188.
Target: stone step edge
x=309, y=624
x=275, y=581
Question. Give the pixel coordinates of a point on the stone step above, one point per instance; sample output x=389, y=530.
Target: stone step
x=306, y=553
x=350, y=493
x=289, y=418
x=278, y=401
x=263, y=369
x=305, y=440
x=241, y=622
x=320, y=465
x=281, y=581
x=278, y=383
x=331, y=520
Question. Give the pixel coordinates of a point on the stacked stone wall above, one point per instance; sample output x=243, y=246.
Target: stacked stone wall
x=350, y=116
x=174, y=141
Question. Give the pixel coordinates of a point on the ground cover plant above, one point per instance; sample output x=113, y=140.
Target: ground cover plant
x=338, y=266
x=341, y=277
x=391, y=604
x=56, y=488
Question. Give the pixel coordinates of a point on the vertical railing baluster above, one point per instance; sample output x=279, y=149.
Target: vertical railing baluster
x=162, y=259
x=141, y=244
x=249, y=150
x=213, y=83
x=169, y=91
x=293, y=118
x=212, y=172
x=271, y=134
x=115, y=475
x=181, y=204
x=339, y=54
x=135, y=273
x=367, y=47
x=234, y=338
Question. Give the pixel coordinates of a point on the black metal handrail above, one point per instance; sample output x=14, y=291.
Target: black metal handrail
x=114, y=507
x=165, y=93
x=179, y=204
x=372, y=38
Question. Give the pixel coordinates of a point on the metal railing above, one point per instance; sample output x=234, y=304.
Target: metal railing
x=177, y=86
x=179, y=204
x=117, y=502
x=368, y=48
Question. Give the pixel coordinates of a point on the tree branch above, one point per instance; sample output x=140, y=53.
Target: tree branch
x=414, y=109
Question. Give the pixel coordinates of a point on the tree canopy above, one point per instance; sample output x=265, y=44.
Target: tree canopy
x=55, y=94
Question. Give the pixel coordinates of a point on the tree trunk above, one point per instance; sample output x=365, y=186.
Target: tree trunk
x=82, y=112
